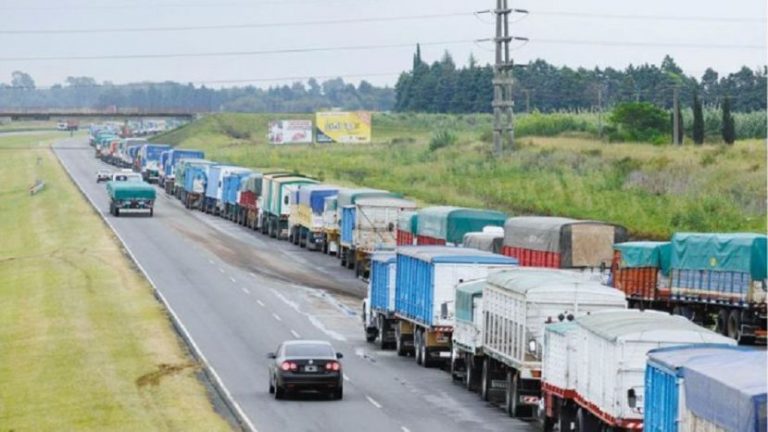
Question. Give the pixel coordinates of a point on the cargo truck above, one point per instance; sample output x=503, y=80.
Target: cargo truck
x=426, y=278
x=128, y=195
x=248, y=199
x=444, y=225
x=407, y=225
x=564, y=243
x=168, y=176
x=345, y=208
x=193, y=178
x=720, y=278
x=594, y=371
x=121, y=157
x=517, y=305
x=149, y=161
x=233, y=184
x=379, y=305
x=369, y=225
x=180, y=170
x=277, y=206
x=489, y=240
x=639, y=269
x=309, y=231
x=467, y=340
x=733, y=399
x=331, y=225
x=214, y=188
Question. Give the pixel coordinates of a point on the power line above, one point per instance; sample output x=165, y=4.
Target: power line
x=239, y=26
x=649, y=17
x=646, y=44
x=239, y=53
x=156, y=5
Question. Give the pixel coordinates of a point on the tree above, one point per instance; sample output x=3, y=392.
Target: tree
x=640, y=121
x=698, y=120
x=729, y=127
x=23, y=80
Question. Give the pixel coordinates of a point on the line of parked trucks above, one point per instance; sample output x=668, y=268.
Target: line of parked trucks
x=555, y=318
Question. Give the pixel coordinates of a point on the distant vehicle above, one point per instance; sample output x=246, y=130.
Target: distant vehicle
x=130, y=195
x=103, y=175
x=305, y=365
x=62, y=126
x=129, y=176
x=68, y=125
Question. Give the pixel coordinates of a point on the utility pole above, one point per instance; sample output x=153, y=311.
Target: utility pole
x=527, y=100
x=675, y=115
x=503, y=116
x=600, y=112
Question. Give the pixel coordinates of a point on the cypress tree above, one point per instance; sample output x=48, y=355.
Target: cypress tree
x=729, y=127
x=698, y=120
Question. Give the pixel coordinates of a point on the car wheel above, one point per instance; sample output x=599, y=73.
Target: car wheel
x=271, y=386
x=338, y=394
x=279, y=392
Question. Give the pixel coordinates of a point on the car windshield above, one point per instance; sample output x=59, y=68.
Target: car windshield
x=308, y=350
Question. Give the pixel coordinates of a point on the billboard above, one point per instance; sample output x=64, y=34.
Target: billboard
x=290, y=132
x=343, y=127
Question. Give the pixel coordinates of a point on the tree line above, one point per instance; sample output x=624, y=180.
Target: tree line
x=540, y=86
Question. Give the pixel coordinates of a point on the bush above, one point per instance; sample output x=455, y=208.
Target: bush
x=442, y=139
x=639, y=121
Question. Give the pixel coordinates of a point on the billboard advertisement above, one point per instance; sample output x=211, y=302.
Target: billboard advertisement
x=343, y=127
x=290, y=132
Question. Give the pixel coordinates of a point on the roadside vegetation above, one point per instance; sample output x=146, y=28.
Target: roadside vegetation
x=85, y=345
x=654, y=190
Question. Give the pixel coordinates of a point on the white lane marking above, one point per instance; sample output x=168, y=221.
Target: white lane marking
x=373, y=402
x=211, y=261
x=221, y=270
x=232, y=279
x=346, y=377
x=277, y=317
x=295, y=334
x=252, y=274
x=404, y=429
x=260, y=303
x=176, y=318
x=312, y=319
x=245, y=290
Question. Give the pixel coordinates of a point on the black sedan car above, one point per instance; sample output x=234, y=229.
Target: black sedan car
x=305, y=365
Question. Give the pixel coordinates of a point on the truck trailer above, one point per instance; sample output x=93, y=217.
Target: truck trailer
x=277, y=207
x=214, y=188
x=309, y=231
x=517, y=306
x=379, y=305
x=149, y=161
x=425, y=282
x=331, y=225
x=168, y=175
x=247, y=201
x=445, y=225
x=130, y=196
x=739, y=402
x=594, y=373
x=407, y=225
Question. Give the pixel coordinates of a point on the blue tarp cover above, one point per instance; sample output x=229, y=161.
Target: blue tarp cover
x=728, y=390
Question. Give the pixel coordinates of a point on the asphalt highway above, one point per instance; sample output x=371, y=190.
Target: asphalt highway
x=239, y=294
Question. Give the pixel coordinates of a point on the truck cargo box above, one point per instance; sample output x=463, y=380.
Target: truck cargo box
x=130, y=190
x=250, y=190
x=663, y=403
x=214, y=189
x=192, y=175
x=427, y=277
x=447, y=225
x=612, y=347
x=382, y=281
x=558, y=362
x=232, y=184
x=176, y=155
x=374, y=224
x=278, y=203
x=637, y=266
x=330, y=215
x=345, y=208
x=557, y=242
x=407, y=226
x=488, y=241
x=728, y=268
x=468, y=326
x=725, y=392
x=519, y=302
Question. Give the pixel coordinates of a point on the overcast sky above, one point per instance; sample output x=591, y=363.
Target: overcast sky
x=575, y=33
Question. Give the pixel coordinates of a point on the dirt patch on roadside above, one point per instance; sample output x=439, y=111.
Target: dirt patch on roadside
x=163, y=370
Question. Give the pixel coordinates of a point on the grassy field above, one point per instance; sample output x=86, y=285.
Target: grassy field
x=653, y=190
x=85, y=345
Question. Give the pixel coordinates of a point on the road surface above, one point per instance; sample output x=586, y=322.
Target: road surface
x=239, y=294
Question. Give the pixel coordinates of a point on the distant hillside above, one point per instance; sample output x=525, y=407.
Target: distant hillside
x=653, y=190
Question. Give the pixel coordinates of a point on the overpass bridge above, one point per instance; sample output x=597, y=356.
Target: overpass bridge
x=111, y=112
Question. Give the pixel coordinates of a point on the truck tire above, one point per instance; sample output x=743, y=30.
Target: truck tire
x=151, y=212
x=400, y=344
x=471, y=374
x=117, y=212
x=734, y=324
x=512, y=399
x=585, y=422
x=721, y=325
x=417, y=346
x=567, y=418
x=485, y=380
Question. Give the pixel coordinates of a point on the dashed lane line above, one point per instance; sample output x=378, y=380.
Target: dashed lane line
x=277, y=317
x=373, y=402
x=295, y=334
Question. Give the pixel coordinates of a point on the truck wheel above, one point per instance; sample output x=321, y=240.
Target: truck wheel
x=399, y=345
x=567, y=418
x=469, y=377
x=117, y=212
x=151, y=212
x=485, y=381
x=455, y=369
x=734, y=324
x=721, y=325
x=585, y=422
x=417, y=346
x=512, y=405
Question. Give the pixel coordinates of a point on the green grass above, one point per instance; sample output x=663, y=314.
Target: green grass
x=653, y=190
x=85, y=346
